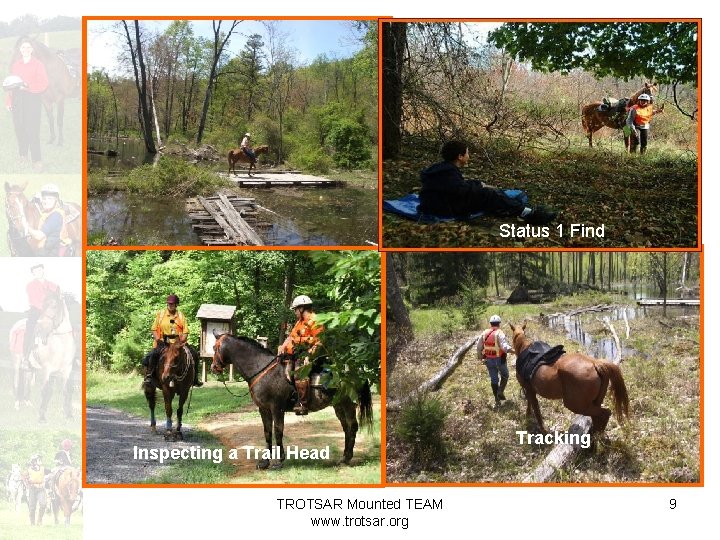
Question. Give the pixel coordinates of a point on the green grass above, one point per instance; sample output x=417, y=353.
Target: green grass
x=17, y=526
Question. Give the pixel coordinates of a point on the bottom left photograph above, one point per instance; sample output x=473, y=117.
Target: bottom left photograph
x=232, y=367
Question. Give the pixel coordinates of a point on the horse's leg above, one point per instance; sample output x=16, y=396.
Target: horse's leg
x=45, y=398
x=51, y=121
x=267, y=420
x=535, y=406
x=181, y=403
x=278, y=417
x=150, y=397
x=60, y=119
x=345, y=412
x=167, y=398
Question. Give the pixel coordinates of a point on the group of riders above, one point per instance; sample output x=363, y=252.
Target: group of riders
x=300, y=348
x=35, y=483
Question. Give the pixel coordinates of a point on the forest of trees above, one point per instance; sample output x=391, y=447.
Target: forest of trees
x=429, y=278
x=178, y=85
x=126, y=288
x=525, y=83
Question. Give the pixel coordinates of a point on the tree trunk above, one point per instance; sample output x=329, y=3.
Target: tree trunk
x=400, y=316
x=394, y=42
x=138, y=62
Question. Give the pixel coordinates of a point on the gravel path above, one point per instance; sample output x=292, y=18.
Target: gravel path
x=111, y=436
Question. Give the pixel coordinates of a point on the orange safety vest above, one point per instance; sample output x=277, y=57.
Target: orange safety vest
x=491, y=345
x=36, y=477
x=305, y=333
x=643, y=114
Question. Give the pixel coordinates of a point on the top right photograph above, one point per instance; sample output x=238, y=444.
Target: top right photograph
x=576, y=134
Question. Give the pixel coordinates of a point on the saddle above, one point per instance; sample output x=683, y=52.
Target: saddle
x=616, y=108
x=537, y=354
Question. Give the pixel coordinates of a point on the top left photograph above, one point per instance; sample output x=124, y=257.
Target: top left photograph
x=229, y=132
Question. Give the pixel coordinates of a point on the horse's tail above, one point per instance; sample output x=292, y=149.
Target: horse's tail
x=366, y=411
x=621, y=402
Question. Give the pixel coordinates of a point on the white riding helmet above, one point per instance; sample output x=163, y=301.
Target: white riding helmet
x=301, y=300
x=50, y=189
x=13, y=82
x=644, y=97
x=247, y=134
x=495, y=319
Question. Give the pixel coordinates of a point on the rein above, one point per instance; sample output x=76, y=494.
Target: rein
x=252, y=380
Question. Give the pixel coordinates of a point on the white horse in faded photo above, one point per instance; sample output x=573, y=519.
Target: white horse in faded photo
x=15, y=487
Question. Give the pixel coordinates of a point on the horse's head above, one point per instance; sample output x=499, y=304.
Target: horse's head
x=170, y=360
x=53, y=313
x=650, y=88
x=520, y=341
x=262, y=149
x=218, y=362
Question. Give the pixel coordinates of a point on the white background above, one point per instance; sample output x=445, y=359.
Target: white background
x=535, y=513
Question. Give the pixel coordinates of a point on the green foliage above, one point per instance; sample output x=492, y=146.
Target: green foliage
x=351, y=144
x=473, y=299
x=420, y=426
x=664, y=51
x=311, y=160
x=172, y=177
x=352, y=328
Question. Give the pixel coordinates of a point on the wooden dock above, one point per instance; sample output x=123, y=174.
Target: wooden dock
x=224, y=221
x=268, y=179
x=670, y=302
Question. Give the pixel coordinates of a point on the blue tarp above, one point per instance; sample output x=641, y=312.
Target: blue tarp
x=407, y=207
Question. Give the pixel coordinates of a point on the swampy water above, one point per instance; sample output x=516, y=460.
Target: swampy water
x=292, y=216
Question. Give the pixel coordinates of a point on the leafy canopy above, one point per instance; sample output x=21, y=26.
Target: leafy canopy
x=664, y=51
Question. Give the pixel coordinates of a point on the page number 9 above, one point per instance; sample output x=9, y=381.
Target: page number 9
x=673, y=504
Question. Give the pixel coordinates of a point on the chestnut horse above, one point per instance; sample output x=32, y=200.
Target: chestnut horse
x=61, y=85
x=272, y=393
x=593, y=118
x=174, y=375
x=238, y=154
x=579, y=380
x=66, y=484
x=24, y=214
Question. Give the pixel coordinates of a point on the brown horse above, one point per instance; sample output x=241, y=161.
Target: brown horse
x=24, y=214
x=579, y=380
x=67, y=496
x=238, y=154
x=61, y=84
x=593, y=118
x=174, y=375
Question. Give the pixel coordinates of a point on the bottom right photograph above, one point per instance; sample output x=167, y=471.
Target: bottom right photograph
x=530, y=368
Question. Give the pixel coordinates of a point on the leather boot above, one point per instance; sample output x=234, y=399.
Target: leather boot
x=501, y=390
x=495, y=393
x=301, y=408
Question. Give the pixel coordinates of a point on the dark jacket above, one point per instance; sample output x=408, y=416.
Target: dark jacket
x=446, y=193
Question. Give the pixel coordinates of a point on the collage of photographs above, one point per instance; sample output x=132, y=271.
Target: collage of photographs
x=308, y=252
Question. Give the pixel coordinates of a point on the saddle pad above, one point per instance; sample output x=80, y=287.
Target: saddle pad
x=407, y=207
x=537, y=354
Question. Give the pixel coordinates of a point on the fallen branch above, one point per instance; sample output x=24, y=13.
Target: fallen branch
x=627, y=324
x=606, y=322
x=434, y=384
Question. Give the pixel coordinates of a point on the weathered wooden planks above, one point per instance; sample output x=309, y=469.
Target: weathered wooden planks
x=223, y=221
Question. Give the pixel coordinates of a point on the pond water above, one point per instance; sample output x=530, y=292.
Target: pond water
x=603, y=346
x=345, y=216
x=320, y=217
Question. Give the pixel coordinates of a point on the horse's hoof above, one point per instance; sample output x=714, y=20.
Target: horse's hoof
x=263, y=464
x=169, y=436
x=346, y=460
x=179, y=436
x=153, y=429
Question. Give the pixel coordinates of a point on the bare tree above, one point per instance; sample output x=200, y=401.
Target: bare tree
x=141, y=84
x=220, y=41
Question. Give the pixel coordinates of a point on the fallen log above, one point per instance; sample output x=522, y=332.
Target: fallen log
x=434, y=384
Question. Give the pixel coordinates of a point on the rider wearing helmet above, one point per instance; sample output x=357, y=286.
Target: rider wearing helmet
x=169, y=325
x=302, y=344
x=245, y=145
x=51, y=235
x=37, y=290
x=492, y=349
x=638, y=122
x=36, y=489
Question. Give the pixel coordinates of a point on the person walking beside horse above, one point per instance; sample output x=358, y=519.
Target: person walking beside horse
x=28, y=81
x=168, y=326
x=637, y=125
x=302, y=344
x=37, y=500
x=493, y=348
x=51, y=235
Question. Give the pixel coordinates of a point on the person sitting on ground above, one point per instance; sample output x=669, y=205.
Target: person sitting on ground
x=446, y=193
x=169, y=325
x=245, y=145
